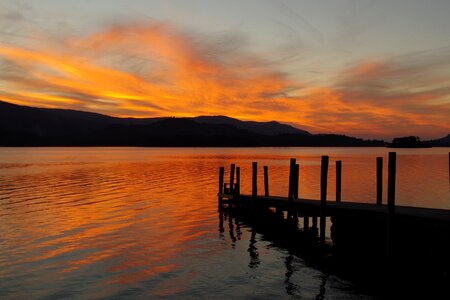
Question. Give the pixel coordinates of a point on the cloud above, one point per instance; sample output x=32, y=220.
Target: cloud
x=155, y=69
x=410, y=92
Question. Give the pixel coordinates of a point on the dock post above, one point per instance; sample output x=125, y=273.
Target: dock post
x=291, y=179
x=392, y=165
x=379, y=180
x=296, y=185
x=338, y=180
x=291, y=186
x=296, y=181
x=323, y=196
x=238, y=181
x=254, y=179
x=221, y=173
x=232, y=168
x=266, y=181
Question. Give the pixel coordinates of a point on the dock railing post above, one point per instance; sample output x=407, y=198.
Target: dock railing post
x=392, y=166
x=379, y=180
x=338, y=180
x=266, y=181
x=254, y=179
x=291, y=186
x=295, y=196
x=238, y=181
x=232, y=168
x=323, y=196
x=291, y=179
x=296, y=181
x=221, y=173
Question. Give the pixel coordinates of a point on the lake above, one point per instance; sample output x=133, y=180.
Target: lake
x=97, y=223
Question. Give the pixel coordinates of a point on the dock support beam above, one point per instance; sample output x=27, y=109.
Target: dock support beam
x=221, y=173
x=379, y=180
x=392, y=165
x=338, y=180
x=323, y=196
x=266, y=181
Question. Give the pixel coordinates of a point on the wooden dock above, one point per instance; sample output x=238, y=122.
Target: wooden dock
x=373, y=231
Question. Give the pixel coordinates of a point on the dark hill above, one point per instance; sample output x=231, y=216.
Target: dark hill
x=442, y=142
x=29, y=126
x=266, y=128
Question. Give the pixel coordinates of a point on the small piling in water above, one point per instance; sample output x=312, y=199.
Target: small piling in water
x=379, y=180
x=323, y=196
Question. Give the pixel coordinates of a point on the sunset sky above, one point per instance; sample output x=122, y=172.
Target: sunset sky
x=373, y=69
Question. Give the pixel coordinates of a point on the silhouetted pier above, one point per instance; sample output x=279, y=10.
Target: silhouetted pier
x=358, y=231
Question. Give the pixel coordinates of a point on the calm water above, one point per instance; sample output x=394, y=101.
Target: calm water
x=93, y=223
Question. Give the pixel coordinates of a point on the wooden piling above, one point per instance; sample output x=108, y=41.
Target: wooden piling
x=238, y=181
x=291, y=188
x=291, y=179
x=379, y=180
x=295, y=187
x=254, y=178
x=221, y=174
x=323, y=196
x=392, y=165
x=296, y=180
x=266, y=181
x=391, y=180
x=338, y=180
x=232, y=168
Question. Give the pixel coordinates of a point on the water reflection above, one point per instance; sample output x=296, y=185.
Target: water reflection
x=135, y=222
x=231, y=231
x=301, y=280
x=253, y=251
x=291, y=288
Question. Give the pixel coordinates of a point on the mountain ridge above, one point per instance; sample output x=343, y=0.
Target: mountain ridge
x=50, y=121
x=33, y=126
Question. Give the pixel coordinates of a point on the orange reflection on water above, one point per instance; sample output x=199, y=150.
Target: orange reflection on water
x=124, y=216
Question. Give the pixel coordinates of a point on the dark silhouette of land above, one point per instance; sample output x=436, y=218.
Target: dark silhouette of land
x=442, y=142
x=31, y=126
x=408, y=142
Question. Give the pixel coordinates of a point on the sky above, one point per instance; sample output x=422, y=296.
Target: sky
x=372, y=69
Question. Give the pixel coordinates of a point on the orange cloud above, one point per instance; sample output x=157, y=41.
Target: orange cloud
x=157, y=70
